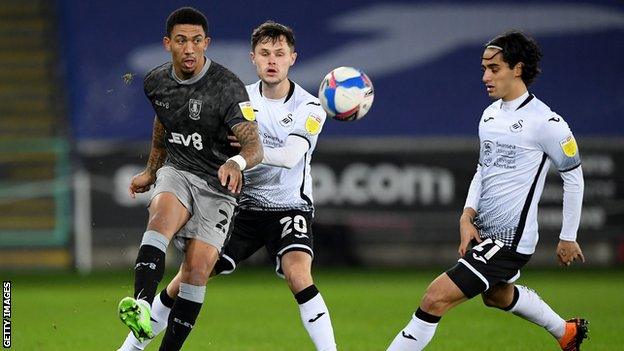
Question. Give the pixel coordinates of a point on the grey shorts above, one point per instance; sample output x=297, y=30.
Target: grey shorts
x=211, y=210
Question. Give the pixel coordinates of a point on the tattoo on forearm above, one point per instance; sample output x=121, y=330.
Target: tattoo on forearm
x=158, y=153
x=249, y=139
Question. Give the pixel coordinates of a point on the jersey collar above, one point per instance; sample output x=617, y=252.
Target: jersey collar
x=195, y=78
x=517, y=103
x=291, y=90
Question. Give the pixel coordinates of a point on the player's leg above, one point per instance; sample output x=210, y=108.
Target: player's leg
x=161, y=307
x=526, y=303
x=289, y=240
x=202, y=237
x=481, y=267
x=441, y=295
x=199, y=261
x=297, y=266
x=166, y=216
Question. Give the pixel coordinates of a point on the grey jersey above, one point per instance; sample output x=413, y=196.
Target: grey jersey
x=276, y=188
x=198, y=114
x=517, y=148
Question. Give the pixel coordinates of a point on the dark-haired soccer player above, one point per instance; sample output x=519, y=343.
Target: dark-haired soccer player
x=520, y=137
x=276, y=206
x=196, y=172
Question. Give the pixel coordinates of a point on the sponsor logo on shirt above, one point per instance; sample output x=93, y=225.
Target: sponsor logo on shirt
x=313, y=124
x=162, y=104
x=194, y=109
x=568, y=145
x=247, y=110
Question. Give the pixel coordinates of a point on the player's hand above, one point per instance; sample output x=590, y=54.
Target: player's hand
x=141, y=183
x=568, y=252
x=234, y=141
x=467, y=232
x=230, y=175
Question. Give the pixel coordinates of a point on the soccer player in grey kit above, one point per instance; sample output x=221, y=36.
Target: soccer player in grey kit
x=195, y=171
x=276, y=206
x=520, y=137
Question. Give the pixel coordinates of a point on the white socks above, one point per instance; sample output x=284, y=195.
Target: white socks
x=315, y=318
x=532, y=308
x=417, y=334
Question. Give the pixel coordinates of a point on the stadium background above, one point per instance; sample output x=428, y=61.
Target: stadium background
x=389, y=188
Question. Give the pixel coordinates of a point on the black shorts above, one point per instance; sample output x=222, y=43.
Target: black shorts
x=279, y=231
x=486, y=265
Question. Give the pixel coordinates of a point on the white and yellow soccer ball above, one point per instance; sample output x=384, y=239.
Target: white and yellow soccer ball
x=346, y=94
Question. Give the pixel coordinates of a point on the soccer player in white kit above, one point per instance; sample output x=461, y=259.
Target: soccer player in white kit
x=275, y=207
x=520, y=137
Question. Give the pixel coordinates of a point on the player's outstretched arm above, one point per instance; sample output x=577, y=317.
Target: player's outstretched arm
x=250, y=155
x=142, y=182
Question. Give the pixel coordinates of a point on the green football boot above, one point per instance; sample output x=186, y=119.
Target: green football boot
x=135, y=314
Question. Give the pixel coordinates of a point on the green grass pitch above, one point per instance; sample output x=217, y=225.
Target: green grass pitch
x=252, y=310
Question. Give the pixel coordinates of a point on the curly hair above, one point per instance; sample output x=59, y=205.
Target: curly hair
x=519, y=47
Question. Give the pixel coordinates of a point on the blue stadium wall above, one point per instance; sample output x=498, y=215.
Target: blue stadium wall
x=423, y=57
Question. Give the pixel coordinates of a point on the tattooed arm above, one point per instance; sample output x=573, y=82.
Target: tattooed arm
x=249, y=139
x=143, y=181
x=250, y=155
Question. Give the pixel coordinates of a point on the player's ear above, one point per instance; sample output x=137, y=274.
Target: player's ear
x=518, y=69
x=167, y=43
x=207, y=40
x=252, y=57
x=293, y=58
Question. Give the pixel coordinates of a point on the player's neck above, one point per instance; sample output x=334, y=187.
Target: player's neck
x=515, y=92
x=185, y=76
x=276, y=91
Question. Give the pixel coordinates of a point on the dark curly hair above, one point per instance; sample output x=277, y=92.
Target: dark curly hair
x=186, y=15
x=271, y=30
x=519, y=47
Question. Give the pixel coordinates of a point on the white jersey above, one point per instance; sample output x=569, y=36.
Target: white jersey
x=517, y=148
x=278, y=188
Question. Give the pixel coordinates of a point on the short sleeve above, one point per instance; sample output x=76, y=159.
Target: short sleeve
x=309, y=120
x=558, y=142
x=238, y=108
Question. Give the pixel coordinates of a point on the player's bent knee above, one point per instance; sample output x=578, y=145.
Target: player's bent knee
x=196, y=271
x=433, y=302
x=499, y=296
x=489, y=301
x=298, y=281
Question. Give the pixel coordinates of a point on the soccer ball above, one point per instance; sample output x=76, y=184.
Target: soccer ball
x=346, y=94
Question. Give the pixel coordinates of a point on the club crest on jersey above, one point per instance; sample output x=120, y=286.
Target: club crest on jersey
x=568, y=145
x=487, y=153
x=516, y=127
x=313, y=124
x=286, y=121
x=194, y=109
x=247, y=110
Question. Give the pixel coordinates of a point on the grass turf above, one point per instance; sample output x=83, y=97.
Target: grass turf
x=253, y=310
